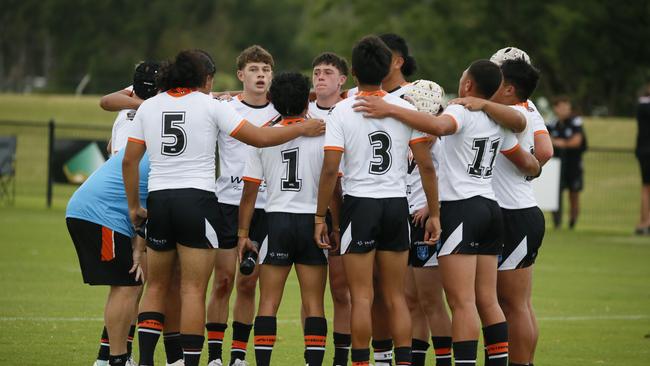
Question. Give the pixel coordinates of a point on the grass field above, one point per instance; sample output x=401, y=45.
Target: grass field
x=592, y=289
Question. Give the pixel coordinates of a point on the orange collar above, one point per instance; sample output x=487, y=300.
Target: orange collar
x=523, y=104
x=290, y=121
x=377, y=93
x=179, y=92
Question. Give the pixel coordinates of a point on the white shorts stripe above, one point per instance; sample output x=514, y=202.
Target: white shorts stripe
x=346, y=239
x=264, y=249
x=211, y=234
x=516, y=256
x=452, y=241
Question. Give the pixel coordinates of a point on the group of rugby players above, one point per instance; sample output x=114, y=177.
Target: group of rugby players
x=400, y=197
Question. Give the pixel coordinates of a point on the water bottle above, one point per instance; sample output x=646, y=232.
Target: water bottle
x=249, y=260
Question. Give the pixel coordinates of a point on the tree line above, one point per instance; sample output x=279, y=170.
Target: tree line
x=595, y=51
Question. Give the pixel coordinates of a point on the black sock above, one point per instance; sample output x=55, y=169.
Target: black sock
x=104, y=348
x=150, y=325
x=341, y=348
x=315, y=339
x=173, y=348
x=240, y=334
x=215, y=340
x=495, y=338
x=119, y=360
x=129, y=341
x=465, y=352
x=383, y=351
x=518, y=364
x=403, y=356
x=265, y=332
x=192, y=346
x=360, y=356
x=442, y=348
x=419, y=352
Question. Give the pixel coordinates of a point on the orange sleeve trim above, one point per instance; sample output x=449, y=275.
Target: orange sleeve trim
x=340, y=174
x=510, y=151
x=453, y=119
x=334, y=148
x=419, y=139
x=239, y=126
x=137, y=141
x=541, y=132
x=251, y=179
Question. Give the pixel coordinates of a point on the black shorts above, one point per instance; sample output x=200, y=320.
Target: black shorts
x=471, y=226
x=522, y=236
x=184, y=216
x=228, y=224
x=291, y=240
x=421, y=255
x=644, y=165
x=105, y=256
x=572, y=176
x=374, y=223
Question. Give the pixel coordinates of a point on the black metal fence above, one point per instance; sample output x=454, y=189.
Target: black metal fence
x=610, y=198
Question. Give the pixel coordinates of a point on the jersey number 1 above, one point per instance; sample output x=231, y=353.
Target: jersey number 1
x=172, y=128
x=291, y=182
x=476, y=169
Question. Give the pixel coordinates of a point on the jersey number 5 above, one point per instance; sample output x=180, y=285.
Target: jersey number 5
x=476, y=169
x=380, y=142
x=172, y=128
x=291, y=182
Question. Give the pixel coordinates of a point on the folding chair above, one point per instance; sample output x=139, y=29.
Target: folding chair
x=8, y=169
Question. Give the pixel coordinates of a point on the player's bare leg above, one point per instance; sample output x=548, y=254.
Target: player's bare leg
x=533, y=322
x=514, y=289
x=382, y=339
x=196, y=268
x=420, y=329
x=219, y=301
x=429, y=286
x=644, y=217
x=361, y=296
x=312, y=279
x=272, y=281
x=160, y=268
x=495, y=328
x=118, y=316
x=392, y=274
x=340, y=293
x=172, y=327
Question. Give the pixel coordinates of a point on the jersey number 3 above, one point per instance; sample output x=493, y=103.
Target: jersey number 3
x=476, y=169
x=291, y=182
x=172, y=128
x=380, y=142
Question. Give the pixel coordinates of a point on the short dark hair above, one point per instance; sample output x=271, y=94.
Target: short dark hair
x=330, y=58
x=398, y=44
x=188, y=70
x=370, y=60
x=487, y=76
x=289, y=93
x=254, y=53
x=522, y=75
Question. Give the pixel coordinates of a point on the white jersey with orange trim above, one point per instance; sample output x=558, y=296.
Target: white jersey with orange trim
x=316, y=111
x=233, y=154
x=375, y=151
x=466, y=169
x=291, y=171
x=512, y=189
x=180, y=130
x=120, y=131
x=414, y=190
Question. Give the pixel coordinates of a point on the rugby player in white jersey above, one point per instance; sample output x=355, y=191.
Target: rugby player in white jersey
x=291, y=172
x=254, y=70
x=178, y=131
x=523, y=221
x=329, y=74
x=375, y=211
x=470, y=216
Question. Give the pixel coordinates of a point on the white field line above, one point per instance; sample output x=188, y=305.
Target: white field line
x=296, y=321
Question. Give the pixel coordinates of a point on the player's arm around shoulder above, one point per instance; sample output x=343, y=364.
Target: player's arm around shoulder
x=543, y=145
x=119, y=100
x=522, y=159
x=502, y=114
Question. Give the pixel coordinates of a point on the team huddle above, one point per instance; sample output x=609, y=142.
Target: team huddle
x=401, y=202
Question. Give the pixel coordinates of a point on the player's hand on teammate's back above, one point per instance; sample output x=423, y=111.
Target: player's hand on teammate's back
x=138, y=216
x=321, y=237
x=313, y=127
x=420, y=216
x=432, y=230
x=372, y=106
x=471, y=103
x=244, y=245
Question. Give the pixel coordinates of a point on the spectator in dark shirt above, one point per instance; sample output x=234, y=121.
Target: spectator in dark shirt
x=569, y=144
x=643, y=154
